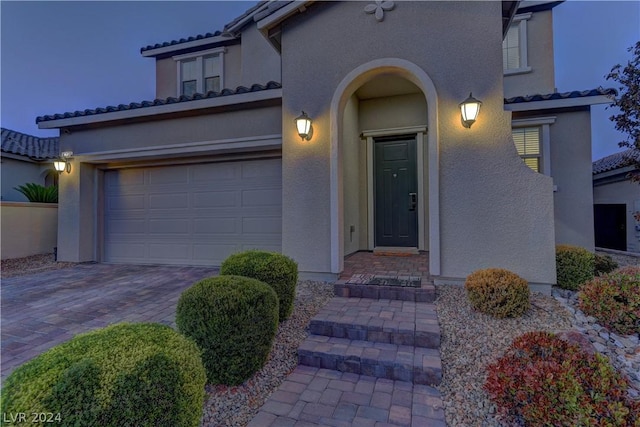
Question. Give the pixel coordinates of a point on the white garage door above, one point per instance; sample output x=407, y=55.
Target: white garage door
x=192, y=214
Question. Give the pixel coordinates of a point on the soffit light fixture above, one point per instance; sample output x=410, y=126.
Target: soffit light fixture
x=303, y=126
x=62, y=164
x=469, y=108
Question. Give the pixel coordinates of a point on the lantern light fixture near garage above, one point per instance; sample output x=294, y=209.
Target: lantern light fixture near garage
x=62, y=164
x=469, y=108
x=303, y=126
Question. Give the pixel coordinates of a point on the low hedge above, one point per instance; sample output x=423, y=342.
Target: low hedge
x=277, y=270
x=498, y=292
x=603, y=264
x=234, y=320
x=614, y=300
x=574, y=266
x=545, y=381
x=124, y=375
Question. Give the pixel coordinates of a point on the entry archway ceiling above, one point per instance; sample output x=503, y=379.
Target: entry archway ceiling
x=387, y=85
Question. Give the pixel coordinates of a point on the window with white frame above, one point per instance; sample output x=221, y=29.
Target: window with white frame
x=527, y=142
x=200, y=72
x=532, y=138
x=514, y=46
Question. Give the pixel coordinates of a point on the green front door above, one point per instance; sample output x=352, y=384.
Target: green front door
x=395, y=192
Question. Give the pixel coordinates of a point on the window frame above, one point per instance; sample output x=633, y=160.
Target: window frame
x=199, y=58
x=543, y=124
x=521, y=21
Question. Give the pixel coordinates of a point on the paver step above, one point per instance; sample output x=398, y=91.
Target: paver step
x=382, y=360
x=425, y=293
x=385, y=321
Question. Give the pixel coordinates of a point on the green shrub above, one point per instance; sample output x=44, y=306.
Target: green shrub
x=234, y=320
x=574, y=266
x=37, y=193
x=498, y=292
x=124, y=375
x=545, y=381
x=603, y=264
x=614, y=299
x=278, y=271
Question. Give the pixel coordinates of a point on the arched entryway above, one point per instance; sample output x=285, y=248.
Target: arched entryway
x=387, y=105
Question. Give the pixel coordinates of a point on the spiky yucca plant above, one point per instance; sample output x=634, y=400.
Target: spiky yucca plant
x=38, y=193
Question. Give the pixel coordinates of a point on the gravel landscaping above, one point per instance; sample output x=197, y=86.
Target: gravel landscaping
x=30, y=265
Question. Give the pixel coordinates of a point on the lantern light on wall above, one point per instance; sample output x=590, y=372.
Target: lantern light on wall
x=469, y=108
x=303, y=126
x=62, y=164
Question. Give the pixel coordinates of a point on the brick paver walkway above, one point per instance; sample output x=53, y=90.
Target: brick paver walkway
x=379, y=332
x=45, y=309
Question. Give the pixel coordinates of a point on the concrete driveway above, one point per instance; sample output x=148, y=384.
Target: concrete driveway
x=45, y=309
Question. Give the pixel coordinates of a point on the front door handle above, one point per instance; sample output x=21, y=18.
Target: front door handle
x=413, y=201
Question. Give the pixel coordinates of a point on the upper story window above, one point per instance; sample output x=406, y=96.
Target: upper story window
x=514, y=46
x=200, y=72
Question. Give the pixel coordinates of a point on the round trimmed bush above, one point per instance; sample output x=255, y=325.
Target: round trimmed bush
x=498, y=292
x=543, y=380
x=127, y=374
x=614, y=299
x=234, y=320
x=276, y=270
x=574, y=266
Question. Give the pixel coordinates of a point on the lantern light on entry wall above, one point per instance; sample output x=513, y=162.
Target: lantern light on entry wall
x=469, y=108
x=62, y=164
x=303, y=126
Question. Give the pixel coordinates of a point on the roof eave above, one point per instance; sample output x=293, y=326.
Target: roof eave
x=164, y=50
x=268, y=25
x=178, y=107
x=558, y=103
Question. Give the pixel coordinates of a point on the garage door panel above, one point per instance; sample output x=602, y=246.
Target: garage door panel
x=125, y=178
x=169, y=201
x=272, y=197
x=267, y=168
x=215, y=199
x=214, y=172
x=192, y=214
x=219, y=226
x=172, y=175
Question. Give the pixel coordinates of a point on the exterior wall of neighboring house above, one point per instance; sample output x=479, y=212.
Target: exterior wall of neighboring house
x=565, y=139
x=19, y=170
x=539, y=78
x=170, y=141
x=621, y=191
x=573, y=200
x=28, y=228
x=477, y=175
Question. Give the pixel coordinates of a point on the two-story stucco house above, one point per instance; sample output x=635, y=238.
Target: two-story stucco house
x=215, y=164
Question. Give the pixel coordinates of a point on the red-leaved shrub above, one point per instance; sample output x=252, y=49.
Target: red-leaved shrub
x=542, y=380
x=614, y=299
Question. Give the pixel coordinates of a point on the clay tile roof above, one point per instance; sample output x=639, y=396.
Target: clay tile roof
x=183, y=40
x=155, y=102
x=616, y=161
x=36, y=148
x=563, y=95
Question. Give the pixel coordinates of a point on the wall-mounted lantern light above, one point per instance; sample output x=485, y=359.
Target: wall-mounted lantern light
x=469, y=108
x=303, y=126
x=62, y=164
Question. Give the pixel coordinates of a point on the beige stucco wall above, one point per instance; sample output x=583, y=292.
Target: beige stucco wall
x=623, y=192
x=571, y=171
x=27, y=228
x=355, y=195
x=260, y=61
x=485, y=221
x=541, y=78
